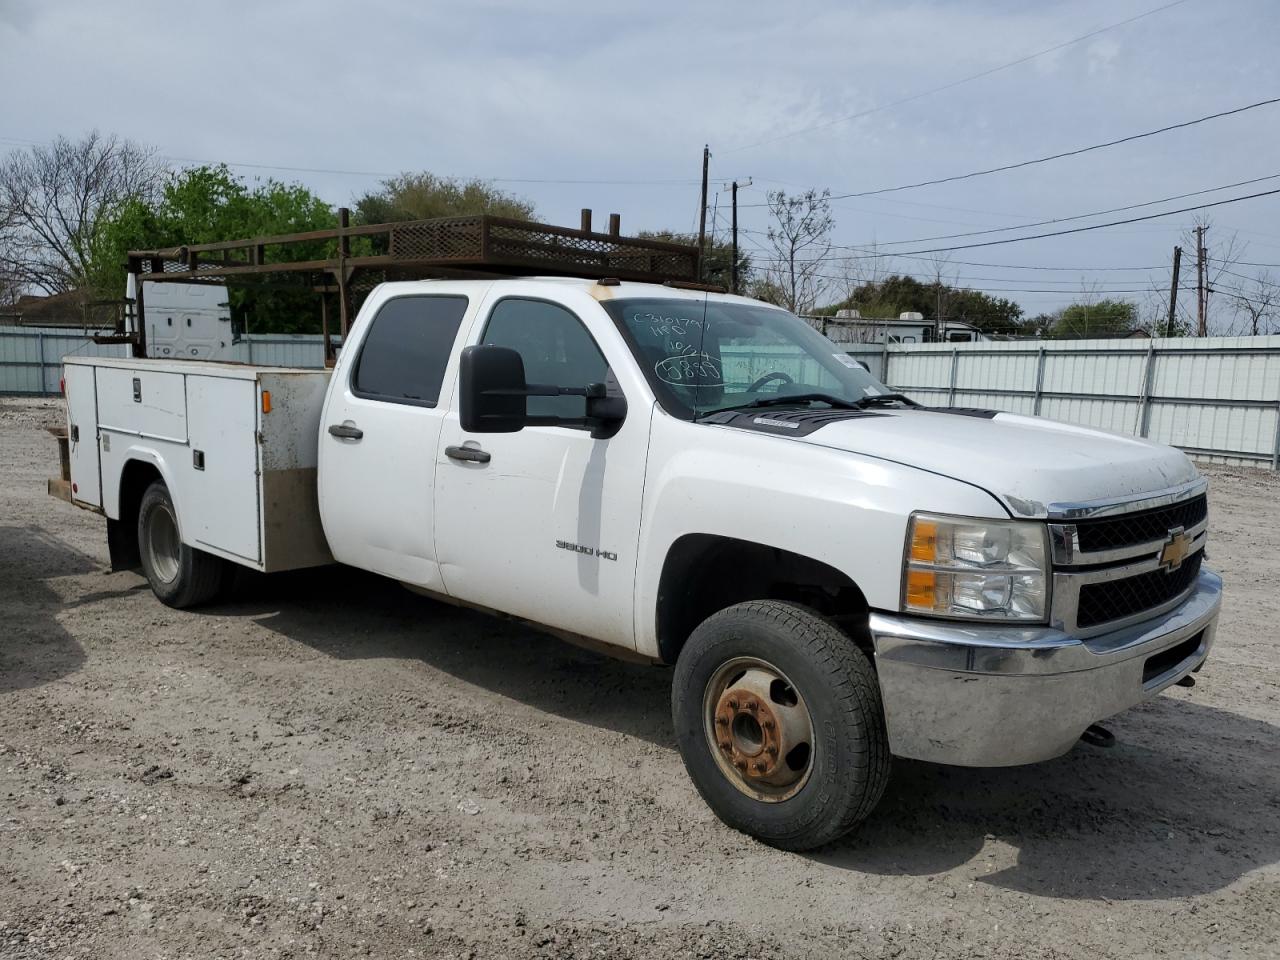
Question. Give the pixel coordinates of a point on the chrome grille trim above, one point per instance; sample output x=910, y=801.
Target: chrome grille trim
x=1107, y=508
x=1064, y=542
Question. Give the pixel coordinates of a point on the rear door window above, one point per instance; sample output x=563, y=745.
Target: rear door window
x=406, y=350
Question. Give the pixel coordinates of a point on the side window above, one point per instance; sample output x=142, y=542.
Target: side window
x=556, y=348
x=403, y=357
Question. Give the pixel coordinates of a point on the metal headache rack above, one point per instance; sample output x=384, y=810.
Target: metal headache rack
x=349, y=261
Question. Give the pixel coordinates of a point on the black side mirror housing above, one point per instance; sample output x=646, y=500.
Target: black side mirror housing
x=493, y=396
x=492, y=390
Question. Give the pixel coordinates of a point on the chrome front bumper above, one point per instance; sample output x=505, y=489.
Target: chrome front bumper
x=991, y=696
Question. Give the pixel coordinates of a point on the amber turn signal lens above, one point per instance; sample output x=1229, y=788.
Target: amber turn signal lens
x=924, y=541
x=266, y=401
x=922, y=589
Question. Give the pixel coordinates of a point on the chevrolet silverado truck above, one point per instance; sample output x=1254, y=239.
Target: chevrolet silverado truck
x=836, y=573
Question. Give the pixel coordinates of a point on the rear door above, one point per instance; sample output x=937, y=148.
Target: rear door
x=82, y=427
x=379, y=433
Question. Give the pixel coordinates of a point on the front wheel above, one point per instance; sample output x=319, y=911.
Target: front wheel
x=779, y=721
x=180, y=575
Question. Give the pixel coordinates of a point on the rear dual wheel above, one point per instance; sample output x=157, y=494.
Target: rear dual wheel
x=179, y=574
x=779, y=721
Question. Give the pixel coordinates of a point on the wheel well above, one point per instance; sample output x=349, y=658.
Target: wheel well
x=122, y=534
x=705, y=573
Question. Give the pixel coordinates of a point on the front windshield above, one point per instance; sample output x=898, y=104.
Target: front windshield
x=701, y=356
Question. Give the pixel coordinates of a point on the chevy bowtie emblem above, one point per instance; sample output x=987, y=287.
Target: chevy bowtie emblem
x=1175, y=549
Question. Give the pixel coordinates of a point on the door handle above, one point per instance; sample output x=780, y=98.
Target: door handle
x=472, y=454
x=346, y=430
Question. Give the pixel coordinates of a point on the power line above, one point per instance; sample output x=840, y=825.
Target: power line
x=955, y=83
x=1056, y=156
x=974, y=263
x=1085, y=216
x=933, y=276
x=1086, y=229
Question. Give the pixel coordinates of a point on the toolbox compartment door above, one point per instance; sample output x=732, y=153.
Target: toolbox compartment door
x=222, y=508
x=82, y=433
x=143, y=402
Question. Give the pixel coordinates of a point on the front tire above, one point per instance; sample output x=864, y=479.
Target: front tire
x=180, y=575
x=779, y=721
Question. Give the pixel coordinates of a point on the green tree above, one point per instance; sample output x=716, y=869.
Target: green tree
x=904, y=294
x=207, y=204
x=1103, y=318
x=423, y=196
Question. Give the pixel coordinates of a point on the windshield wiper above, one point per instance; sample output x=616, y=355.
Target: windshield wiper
x=816, y=397
x=879, y=398
x=789, y=398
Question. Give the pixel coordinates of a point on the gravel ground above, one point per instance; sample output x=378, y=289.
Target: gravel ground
x=328, y=765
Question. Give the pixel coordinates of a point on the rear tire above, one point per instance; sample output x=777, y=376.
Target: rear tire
x=753, y=685
x=180, y=575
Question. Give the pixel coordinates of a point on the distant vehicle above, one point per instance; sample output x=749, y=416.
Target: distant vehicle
x=849, y=326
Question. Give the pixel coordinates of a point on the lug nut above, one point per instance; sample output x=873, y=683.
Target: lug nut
x=726, y=745
x=741, y=765
x=722, y=721
x=733, y=704
x=753, y=706
x=771, y=750
x=759, y=768
x=769, y=724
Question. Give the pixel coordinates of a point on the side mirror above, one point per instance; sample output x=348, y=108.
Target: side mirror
x=493, y=396
x=492, y=390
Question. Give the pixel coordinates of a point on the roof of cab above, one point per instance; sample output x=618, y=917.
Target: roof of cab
x=613, y=290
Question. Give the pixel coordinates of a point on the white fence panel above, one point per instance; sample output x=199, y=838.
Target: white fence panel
x=1216, y=397
x=31, y=357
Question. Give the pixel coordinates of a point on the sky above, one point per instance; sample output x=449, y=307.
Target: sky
x=608, y=106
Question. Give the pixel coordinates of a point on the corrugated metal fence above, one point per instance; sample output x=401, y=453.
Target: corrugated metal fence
x=1217, y=398
x=31, y=357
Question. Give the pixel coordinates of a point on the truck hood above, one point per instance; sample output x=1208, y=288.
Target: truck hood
x=1028, y=463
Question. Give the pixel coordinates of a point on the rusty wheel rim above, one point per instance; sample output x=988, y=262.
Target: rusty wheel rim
x=758, y=729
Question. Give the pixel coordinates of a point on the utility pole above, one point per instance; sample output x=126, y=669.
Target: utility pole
x=1173, y=291
x=702, y=215
x=734, y=270
x=1202, y=293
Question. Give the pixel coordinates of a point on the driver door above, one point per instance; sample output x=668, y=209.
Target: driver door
x=546, y=527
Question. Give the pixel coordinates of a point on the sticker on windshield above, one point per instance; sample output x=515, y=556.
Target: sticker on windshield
x=848, y=361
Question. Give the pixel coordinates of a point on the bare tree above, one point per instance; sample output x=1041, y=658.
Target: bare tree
x=1257, y=301
x=942, y=290
x=53, y=199
x=862, y=271
x=800, y=237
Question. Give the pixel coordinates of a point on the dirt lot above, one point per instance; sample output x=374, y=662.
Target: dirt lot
x=327, y=765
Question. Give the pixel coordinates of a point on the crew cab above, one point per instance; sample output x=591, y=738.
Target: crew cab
x=836, y=573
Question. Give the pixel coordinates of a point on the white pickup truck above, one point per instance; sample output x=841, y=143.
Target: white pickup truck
x=836, y=573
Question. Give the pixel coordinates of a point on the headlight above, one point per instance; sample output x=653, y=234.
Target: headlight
x=988, y=569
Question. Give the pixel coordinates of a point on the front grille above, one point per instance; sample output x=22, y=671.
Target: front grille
x=1109, y=600
x=1145, y=526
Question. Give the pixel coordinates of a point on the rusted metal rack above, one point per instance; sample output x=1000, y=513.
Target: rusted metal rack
x=350, y=260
